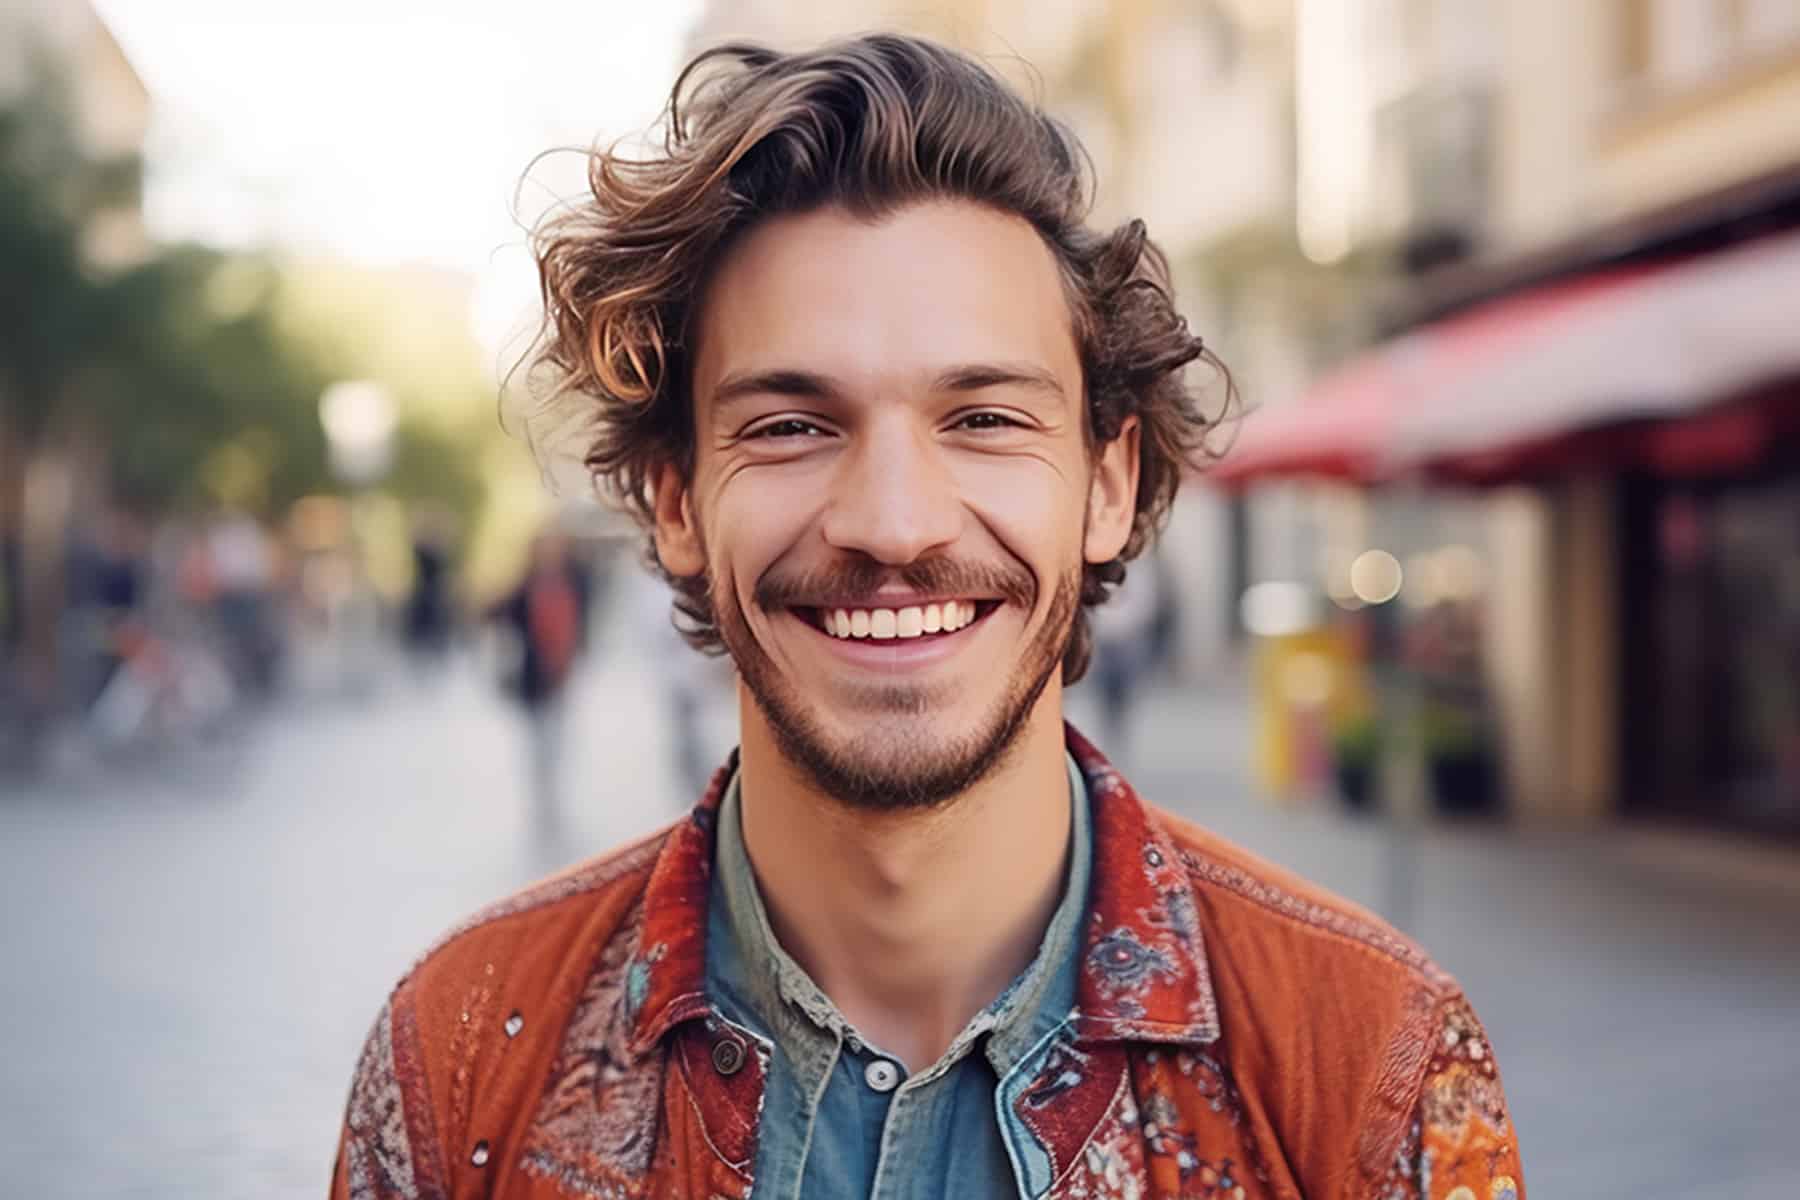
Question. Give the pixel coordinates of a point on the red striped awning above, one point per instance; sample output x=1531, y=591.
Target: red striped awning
x=1501, y=387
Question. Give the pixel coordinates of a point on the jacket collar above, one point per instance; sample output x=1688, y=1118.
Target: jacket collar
x=1143, y=973
x=665, y=983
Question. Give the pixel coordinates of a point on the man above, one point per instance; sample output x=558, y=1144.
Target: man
x=547, y=614
x=894, y=418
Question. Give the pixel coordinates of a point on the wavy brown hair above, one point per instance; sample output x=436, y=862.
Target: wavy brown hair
x=872, y=124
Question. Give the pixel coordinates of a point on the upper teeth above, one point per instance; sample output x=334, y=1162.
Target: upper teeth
x=884, y=623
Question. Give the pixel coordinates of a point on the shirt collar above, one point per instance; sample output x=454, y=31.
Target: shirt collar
x=755, y=966
x=1142, y=972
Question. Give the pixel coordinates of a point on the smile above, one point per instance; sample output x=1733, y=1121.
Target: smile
x=897, y=624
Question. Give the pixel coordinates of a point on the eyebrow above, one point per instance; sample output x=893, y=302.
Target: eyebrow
x=964, y=377
x=972, y=377
x=778, y=382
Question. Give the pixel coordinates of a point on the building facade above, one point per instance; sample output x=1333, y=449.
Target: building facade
x=1642, y=637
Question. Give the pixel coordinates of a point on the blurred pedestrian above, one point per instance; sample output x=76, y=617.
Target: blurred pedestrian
x=240, y=562
x=108, y=588
x=890, y=413
x=547, y=618
x=428, y=614
x=1125, y=649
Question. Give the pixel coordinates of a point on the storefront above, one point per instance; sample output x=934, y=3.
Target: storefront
x=1712, y=648
x=1635, y=425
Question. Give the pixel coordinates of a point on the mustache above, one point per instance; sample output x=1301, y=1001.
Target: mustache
x=857, y=580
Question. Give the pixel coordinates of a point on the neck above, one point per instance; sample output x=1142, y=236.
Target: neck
x=911, y=922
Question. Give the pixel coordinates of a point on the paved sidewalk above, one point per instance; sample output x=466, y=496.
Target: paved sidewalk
x=192, y=959
x=1641, y=986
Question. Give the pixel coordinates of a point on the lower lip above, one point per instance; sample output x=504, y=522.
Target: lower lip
x=896, y=653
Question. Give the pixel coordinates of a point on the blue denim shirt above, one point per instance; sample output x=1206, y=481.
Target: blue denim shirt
x=842, y=1118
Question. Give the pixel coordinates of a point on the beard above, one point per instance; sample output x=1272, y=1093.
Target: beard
x=896, y=763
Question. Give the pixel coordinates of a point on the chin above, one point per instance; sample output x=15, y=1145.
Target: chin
x=896, y=770
x=896, y=746
x=902, y=755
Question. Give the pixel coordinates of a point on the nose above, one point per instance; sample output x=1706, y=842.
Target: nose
x=893, y=497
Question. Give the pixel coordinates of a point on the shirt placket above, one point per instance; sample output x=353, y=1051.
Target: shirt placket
x=812, y=1060
x=911, y=1109
x=905, y=1110
x=821, y=1043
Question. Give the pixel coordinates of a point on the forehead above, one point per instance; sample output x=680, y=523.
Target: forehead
x=935, y=284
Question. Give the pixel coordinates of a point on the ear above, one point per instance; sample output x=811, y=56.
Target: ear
x=677, y=534
x=1112, y=496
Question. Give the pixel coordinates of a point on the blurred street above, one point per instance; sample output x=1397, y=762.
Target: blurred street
x=185, y=1017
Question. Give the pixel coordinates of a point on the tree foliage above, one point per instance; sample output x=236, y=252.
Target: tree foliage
x=55, y=314
x=196, y=372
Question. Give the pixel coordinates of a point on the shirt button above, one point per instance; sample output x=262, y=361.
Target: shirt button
x=727, y=1056
x=881, y=1075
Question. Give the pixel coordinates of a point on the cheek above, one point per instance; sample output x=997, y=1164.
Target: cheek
x=1034, y=508
x=756, y=517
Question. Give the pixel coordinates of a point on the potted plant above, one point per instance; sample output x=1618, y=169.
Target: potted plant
x=1459, y=758
x=1356, y=746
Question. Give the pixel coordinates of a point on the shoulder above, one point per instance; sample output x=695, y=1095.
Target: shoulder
x=505, y=977
x=1277, y=916
x=1331, y=1016
x=532, y=928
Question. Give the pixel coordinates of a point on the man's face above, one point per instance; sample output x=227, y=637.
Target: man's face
x=893, y=496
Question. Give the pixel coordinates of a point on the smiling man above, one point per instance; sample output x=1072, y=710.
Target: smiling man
x=894, y=418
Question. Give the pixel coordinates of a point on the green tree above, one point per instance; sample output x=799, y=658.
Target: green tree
x=167, y=382
x=191, y=377
x=56, y=323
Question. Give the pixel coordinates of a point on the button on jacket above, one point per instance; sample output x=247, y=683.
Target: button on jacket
x=841, y=1117
x=1236, y=1033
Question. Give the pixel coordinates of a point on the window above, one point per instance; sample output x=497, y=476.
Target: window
x=1678, y=43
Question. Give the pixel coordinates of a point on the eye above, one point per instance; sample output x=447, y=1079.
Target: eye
x=987, y=419
x=786, y=427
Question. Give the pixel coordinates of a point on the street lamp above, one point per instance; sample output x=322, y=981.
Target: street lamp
x=359, y=419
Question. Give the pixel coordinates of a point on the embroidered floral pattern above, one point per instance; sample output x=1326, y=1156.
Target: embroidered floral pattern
x=1177, y=916
x=1408, y=1177
x=1144, y=973
x=1460, y=1146
x=1196, y=1072
x=1123, y=964
x=388, y=1150
x=1466, y=1135
x=378, y=1157
x=1111, y=1165
x=1193, y=1128
x=595, y=1131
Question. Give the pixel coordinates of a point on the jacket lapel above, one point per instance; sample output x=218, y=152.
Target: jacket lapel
x=713, y=1104
x=666, y=979
x=1143, y=977
x=1144, y=974
x=643, y=1101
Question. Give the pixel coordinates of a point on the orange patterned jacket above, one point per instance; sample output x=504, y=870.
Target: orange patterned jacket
x=1238, y=1033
